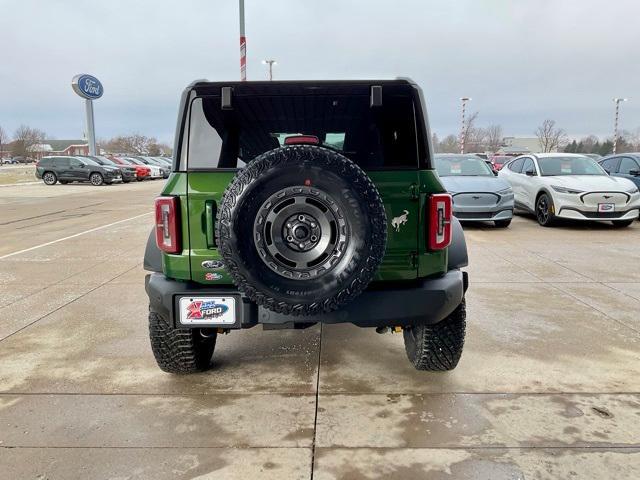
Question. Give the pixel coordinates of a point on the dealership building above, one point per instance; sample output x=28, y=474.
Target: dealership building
x=61, y=147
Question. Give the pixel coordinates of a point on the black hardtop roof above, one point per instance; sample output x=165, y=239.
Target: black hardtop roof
x=299, y=87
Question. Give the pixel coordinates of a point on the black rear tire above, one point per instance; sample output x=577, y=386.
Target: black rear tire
x=437, y=347
x=313, y=192
x=621, y=223
x=179, y=350
x=502, y=223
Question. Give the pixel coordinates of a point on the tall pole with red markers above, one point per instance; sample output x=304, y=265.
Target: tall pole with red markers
x=243, y=45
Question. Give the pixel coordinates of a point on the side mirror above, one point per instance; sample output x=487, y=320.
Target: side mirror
x=634, y=173
x=530, y=173
x=495, y=172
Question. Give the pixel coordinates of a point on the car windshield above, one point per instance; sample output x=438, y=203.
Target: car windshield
x=555, y=166
x=135, y=161
x=461, y=165
x=106, y=161
x=90, y=161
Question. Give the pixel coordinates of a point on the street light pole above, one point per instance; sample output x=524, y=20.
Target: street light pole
x=271, y=63
x=243, y=45
x=615, y=123
x=463, y=132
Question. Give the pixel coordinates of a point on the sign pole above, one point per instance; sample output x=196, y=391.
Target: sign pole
x=91, y=131
x=243, y=45
x=89, y=88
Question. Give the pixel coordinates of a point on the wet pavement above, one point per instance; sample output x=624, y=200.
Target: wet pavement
x=548, y=386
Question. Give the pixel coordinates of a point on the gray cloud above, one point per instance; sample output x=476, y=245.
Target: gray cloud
x=521, y=61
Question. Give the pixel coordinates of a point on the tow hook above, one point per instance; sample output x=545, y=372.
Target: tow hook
x=396, y=329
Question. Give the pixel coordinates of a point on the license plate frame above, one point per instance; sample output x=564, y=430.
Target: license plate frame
x=606, y=207
x=208, y=311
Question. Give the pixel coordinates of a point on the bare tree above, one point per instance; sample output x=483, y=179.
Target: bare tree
x=589, y=143
x=135, y=144
x=4, y=138
x=470, y=134
x=26, y=139
x=449, y=144
x=634, y=139
x=435, y=143
x=493, y=138
x=550, y=136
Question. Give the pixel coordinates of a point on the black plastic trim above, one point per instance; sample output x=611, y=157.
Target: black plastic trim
x=426, y=302
x=457, y=252
x=152, y=254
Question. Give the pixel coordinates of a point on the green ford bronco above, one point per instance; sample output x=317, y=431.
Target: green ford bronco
x=296, y=203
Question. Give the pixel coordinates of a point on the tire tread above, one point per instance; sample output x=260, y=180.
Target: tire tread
x=176, y=349
x=439, y=346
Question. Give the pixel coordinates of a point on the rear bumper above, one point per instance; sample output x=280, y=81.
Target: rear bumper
x=128, y=175
x=425, y=301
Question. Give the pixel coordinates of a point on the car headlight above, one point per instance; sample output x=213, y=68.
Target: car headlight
x=560, y=189
x=505, y=191
x=633, y=190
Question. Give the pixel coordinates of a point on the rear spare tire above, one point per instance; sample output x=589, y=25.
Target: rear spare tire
x=302, y=230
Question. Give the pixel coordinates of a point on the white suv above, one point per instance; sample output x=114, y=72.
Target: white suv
x=571, y=186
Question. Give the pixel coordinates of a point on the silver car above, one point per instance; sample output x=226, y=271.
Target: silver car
x=478, y=195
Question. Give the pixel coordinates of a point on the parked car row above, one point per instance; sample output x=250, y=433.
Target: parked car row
x=16, y=160
x=551, y=186
x=100, y=169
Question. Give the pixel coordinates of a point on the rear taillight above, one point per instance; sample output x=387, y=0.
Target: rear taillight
x=167, y=221
x=439, y=221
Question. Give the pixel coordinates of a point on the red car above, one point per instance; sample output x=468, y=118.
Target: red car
x=498, y=161
x=142, y=172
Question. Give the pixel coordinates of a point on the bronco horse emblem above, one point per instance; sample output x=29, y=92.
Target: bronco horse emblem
x=396, y=222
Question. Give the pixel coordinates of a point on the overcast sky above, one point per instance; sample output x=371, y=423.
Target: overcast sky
x=521, y=61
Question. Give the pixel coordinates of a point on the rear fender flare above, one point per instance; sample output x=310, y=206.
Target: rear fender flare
x=152, y=254
x=458, y=257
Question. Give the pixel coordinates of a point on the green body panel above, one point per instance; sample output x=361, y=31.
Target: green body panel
x=398, y=191
x=403, y=193
x=205, y=187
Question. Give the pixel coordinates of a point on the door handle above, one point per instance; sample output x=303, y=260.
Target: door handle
x=209, y=222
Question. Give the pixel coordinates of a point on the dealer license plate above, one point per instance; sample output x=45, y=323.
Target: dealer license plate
x=207, y=310
x=606, y=207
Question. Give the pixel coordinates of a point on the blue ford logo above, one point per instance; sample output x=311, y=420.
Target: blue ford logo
x=87, y=86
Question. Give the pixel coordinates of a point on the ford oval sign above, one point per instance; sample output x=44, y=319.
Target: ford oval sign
x=87, y=86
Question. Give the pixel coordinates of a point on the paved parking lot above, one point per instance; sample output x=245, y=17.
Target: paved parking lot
x=548, y=386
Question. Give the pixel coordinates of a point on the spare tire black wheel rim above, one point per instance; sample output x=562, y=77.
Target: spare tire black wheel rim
x=300, y=232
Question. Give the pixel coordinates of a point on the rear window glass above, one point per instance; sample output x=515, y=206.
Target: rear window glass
x=459, y=165
x=375, y=138
x=554, y=166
